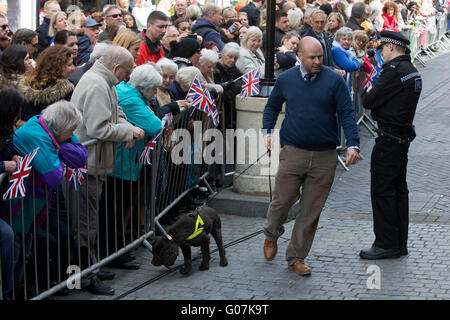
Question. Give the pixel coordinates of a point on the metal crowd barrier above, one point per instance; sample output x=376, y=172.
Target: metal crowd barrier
x=422, y=46
x=125, y=213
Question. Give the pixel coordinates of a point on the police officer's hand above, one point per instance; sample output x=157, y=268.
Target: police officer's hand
x=352, y=156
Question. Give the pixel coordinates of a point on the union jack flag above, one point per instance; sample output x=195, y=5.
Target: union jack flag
x=369, y=77
x=419, y=29
x=145, y=157
x=250, y=84
x=16, y=187
x=213, y=114
x=76, y=176
x=199, y=100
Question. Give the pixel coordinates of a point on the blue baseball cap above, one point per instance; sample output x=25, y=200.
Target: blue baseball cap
x=92, y=23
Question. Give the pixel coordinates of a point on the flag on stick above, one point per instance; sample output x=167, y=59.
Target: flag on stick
x=16, y=188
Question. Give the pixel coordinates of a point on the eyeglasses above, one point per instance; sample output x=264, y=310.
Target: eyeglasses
x=4, y=26
x=115, y=15
x=185, y=28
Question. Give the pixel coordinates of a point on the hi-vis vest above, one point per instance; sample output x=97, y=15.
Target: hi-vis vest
x=197, y=230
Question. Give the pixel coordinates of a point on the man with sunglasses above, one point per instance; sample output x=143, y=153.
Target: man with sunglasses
x=152, y=48
x=5, y=38
x=112, y=15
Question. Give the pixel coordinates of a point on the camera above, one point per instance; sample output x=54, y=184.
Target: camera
x=233, y=28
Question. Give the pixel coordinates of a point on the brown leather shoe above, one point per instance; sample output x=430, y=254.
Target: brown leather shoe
x=270, y=249
x=300, y=268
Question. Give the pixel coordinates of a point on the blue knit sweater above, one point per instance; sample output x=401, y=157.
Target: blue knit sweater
x=312, y=110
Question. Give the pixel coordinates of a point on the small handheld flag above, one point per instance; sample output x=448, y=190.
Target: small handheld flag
x=16, y=188
x=76, y=176
x=196, y=93
x=213, y=114
x=145, y=157
x=250, y=84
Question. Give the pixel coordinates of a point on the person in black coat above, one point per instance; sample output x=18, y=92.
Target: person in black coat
x=48, y=82
x=50, y=8
x=393, y=101
x=357, y=17
x=318, y=20
x=224, y=74
x=253, y=11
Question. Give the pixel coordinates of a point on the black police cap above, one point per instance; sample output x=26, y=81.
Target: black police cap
x=394, y=37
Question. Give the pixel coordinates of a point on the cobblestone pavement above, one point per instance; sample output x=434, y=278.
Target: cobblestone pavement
x=344, y=229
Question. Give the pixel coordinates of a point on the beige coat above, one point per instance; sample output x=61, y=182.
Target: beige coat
x=249, y=61
x=95, y=96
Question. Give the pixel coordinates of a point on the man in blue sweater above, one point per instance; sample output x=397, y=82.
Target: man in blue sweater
x=316, y=99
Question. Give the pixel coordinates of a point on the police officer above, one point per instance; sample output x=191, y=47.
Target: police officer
x=393, y=100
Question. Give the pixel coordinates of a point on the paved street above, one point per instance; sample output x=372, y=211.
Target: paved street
x=344, y=229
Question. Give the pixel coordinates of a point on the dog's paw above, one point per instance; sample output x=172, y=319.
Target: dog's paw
x=185, y=270
x=203, y=267
x=224, y=263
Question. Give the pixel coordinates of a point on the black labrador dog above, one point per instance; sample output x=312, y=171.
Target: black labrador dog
x=191, y=230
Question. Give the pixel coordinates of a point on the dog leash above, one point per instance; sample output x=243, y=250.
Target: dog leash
x=270, y=183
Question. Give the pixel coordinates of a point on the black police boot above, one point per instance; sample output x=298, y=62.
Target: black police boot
x=375, y=253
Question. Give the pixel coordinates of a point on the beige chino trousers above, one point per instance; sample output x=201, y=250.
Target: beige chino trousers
x=314, y=172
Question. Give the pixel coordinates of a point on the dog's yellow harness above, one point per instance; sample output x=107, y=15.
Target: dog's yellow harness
x=197, y=231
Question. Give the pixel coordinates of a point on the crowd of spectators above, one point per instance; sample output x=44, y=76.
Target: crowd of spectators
x=112, y=75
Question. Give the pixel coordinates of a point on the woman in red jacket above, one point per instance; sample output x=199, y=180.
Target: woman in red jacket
x=390, y=12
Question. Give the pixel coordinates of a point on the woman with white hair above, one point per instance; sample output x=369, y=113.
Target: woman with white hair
x=341, y=50
x=225, y=72
x=251, y=56
x=207, y=62
x=295, y=16
x=52, y=133
x=169, y=70
x=192, y=13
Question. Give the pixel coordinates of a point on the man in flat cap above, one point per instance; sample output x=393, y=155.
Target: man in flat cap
x=393, y=100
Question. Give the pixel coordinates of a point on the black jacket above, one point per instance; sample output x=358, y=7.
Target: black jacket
x=394, y=97
x=43, y=38
x=278, y=36
x=253, y=14
x=223, y=75
x=353, y=24
x=38, y=100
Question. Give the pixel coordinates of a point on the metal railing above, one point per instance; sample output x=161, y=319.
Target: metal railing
x=132, y=200
x=129, y=203
x=433, y=36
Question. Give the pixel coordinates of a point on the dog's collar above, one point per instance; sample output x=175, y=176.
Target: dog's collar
x=197, y=230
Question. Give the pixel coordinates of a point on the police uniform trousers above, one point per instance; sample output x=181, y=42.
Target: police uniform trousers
x=314, y=172
x=389, y=193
